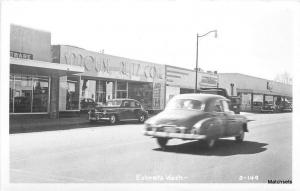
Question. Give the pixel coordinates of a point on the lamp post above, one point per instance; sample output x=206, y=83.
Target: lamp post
x=199, y=36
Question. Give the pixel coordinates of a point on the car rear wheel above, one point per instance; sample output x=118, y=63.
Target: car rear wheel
x=162, y=142
x=210, y=143
x=240, y=138
x=142, y=118
x=113, y=119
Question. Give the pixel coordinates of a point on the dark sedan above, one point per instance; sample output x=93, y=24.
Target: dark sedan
x=115, y=110
x=196, y=117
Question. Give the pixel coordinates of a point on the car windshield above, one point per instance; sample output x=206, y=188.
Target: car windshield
x=113, y=103
x=189, y=104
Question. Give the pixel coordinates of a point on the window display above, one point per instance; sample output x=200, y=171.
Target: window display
x=28, y=93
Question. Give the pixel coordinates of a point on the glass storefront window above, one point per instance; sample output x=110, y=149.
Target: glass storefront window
x=72, y=94
x=40, y=94
x=142, y=92
x=28, y=93
x=89, y=89
x=122, y=89
x=101, y=91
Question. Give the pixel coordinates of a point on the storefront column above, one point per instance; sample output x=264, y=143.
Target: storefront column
x=251, y=101
x=54, y=97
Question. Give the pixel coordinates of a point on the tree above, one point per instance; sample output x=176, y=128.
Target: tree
x=284, y=77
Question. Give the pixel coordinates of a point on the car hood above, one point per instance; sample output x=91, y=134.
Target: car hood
x=178, y=117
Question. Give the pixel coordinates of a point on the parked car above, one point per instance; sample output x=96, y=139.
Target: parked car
x=87, y=104
x=258, y=106
x=196, y=117
x=115, y=110
x=284, y=107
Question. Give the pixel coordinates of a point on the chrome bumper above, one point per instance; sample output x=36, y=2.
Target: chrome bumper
x=174, y=135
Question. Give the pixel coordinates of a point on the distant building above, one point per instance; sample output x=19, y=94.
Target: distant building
x=253, y=89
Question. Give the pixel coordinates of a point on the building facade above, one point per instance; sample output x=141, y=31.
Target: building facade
x=252, y=89
x=34, y=78
x=108, y=77
x=182, y=80
x=50, y=80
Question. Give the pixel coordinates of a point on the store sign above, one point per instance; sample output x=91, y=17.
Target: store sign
x=22, y=55
x=209, y=80
x=112, y=66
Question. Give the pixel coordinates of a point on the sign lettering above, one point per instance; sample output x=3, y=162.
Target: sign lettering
x=22, y=55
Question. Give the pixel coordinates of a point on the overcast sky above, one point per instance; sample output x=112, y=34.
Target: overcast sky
x=253, y=38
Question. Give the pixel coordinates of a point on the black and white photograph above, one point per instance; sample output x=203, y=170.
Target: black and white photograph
x=149, y=94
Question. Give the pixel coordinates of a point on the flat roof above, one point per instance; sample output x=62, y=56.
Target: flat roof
x=18, y=65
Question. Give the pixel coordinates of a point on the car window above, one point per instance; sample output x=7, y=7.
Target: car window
x=218, y=107
x=132, y=104
x=225, y=106
x=126, y=104
x=185, y=104
x=137, y=104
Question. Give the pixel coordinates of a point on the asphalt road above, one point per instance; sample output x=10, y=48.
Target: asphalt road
x=121, y=153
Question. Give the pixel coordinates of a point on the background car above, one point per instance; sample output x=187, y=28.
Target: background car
x=115, y=110
x=284, y=106
x=87, y=104
x=196, y=117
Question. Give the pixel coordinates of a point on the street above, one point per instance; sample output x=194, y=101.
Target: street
x=120, y=153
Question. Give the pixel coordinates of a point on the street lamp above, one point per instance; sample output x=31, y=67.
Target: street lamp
x=199, y=36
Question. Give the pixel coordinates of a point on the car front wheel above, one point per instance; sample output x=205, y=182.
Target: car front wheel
x=240, y=138
x=142, y=118
x=113, y=119
x=162, y=142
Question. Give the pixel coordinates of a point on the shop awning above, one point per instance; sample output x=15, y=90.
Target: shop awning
x=36, y=67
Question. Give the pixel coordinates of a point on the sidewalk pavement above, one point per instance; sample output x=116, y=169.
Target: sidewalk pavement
x=46, y=124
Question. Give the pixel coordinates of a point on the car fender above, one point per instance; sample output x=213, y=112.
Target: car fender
x=211, y=127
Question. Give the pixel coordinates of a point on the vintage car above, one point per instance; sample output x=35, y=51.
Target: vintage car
x=284, y=107
x=87, y=104
x=196, y=117
x=115, y=110
x=260, y=107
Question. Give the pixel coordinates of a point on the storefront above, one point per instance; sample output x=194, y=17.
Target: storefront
x=181, y=80
x=255, y=91
x=108, y=77
x=33, y=77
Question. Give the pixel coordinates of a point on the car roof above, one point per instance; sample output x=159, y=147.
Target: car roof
x=200, y=97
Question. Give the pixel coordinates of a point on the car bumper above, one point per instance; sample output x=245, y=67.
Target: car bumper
x=98, y=117
x=174, y=135
x=266, y=110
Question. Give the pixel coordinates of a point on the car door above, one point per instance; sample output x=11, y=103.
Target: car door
x=124, y=109
x=233, y=126
x=221, y=119
x=132, y=108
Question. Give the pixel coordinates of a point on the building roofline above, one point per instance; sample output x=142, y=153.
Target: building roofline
x=30, y=28
x=254, y=77
x=136, y=60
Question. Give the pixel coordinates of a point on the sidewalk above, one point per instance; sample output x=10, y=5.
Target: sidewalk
x=45, y=124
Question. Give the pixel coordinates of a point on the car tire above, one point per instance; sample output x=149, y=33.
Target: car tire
x=113, y=119
x=142, y=118
x=210, y=143
x=162, y=142
x=240, y=138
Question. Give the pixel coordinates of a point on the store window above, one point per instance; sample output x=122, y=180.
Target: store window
x=142, y=92
x=122, y=89
x=88, y=89
x=101, y=91
x=72, y=93
x=28, y=93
